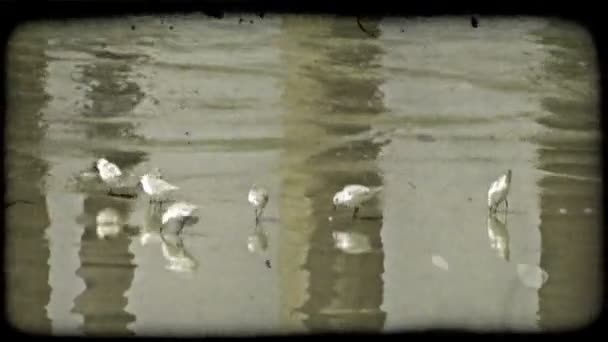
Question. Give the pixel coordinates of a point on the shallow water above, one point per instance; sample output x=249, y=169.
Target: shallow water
x=433, y=110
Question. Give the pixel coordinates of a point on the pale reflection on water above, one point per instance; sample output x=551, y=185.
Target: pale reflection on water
x=430, y=109
x=151, y=227
x=499, y=236
x=174, y=251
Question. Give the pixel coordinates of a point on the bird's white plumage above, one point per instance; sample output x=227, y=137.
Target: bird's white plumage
x=155, y=186
x=108, y=171
x=178, y=210
x=354, y=195
x=258, y=197
x=499, y=189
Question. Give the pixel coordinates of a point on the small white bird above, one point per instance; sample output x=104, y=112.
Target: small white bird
x=179, y=211
x=258, y=197
x=353, y=196
x=108, y=172
x=499, y=189
x=155, y=186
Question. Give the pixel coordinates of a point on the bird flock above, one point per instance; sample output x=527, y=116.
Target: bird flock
x=351, y=196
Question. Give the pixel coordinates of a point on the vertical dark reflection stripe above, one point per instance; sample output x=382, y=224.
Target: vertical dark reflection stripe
x=332, y=92
x=26, y=248
x=106, y=264
x=571, y=241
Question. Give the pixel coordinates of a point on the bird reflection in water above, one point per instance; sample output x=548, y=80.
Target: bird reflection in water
x=351, y=242
x=174, y=251
x=257, y=243
x=151, y=228
x=498, y=236
x=109, y=223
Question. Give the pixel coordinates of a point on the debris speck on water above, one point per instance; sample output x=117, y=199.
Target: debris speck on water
x=425, y=138
x=532, y=276
x=440, y=262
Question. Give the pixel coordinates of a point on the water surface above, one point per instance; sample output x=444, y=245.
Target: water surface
x=433, y=110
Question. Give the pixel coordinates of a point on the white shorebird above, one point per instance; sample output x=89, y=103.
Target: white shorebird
x=109, y=173
x=179, y=212
x=499, y=189
x=258, y=197
x=155, y=186
x=353, y=196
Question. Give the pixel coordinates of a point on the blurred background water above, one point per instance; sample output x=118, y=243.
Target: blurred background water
x=431, y=109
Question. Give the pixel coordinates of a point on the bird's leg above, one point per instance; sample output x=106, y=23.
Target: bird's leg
x=506, y=205
x=181, y=227
x=355, y=212
x=257, y=218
